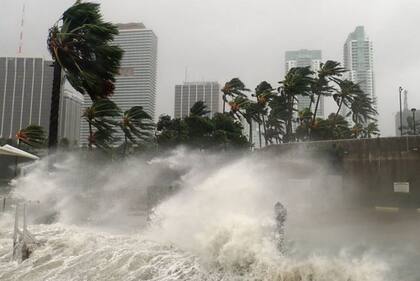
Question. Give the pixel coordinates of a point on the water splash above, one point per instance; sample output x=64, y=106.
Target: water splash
x=217, y=224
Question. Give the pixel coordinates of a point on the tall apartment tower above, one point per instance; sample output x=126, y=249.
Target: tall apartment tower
x=136, y=83
x=70, y=115
x=358, y=60
x=25, y=97
x=189, y=93
x=304, y=58
x=25, y=87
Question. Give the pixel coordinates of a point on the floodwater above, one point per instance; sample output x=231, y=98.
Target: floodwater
x=213, y=220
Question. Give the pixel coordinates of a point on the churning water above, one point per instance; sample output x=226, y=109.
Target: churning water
x=190, y=215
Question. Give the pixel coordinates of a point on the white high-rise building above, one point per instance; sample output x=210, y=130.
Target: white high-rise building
x=136, y=84
x=358, y=60
x=191, y=92
x=25, y=98
x=304, y=58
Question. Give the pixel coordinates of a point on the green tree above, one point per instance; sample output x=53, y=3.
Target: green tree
x=345, y=94
x=33, y=135
x=137, y=126
x=371, y=130
x=171, y=132
x=320, y=86
x=263, y=93
x=199, y=109
x=362, y=108
x=233, y=88
x=80, y=45
x=102, y=115
x=334, y=127
x=297, y=82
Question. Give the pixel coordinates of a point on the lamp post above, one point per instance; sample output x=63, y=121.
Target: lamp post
x=413, y=110
x=401, y=129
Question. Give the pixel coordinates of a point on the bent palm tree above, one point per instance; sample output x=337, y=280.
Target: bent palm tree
x=136, y=125
x=297, y=82
x=101, y=115
x=33, y=135
x=263, y=93
x=362, y=109
x=233, y=88
x=199, y=109
x=345, y=95
x=329, y=71
x=80, y=46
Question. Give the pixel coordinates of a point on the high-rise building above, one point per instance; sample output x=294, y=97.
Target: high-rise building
x=304, y=58
x=136, y=83
x=358, y=60
x=191, y=92
x=70, y=115
x=25, y=97
x=25, y=94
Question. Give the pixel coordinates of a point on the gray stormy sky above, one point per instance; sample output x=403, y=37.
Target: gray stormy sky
x=222, y=39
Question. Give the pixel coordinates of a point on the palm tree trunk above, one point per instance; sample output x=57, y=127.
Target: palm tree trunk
x=316, y=110
x=289, y=128
x=338, y=110
x=259, y=132
x=55, y=109
x=265, y=130
x=250, y=132
x=90, y=136
x=125, y=145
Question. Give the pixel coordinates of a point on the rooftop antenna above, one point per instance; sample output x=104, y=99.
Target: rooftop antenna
x=22, y=22
x=186, y=74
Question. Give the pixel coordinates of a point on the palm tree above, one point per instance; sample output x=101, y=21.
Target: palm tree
x=242, y=107
x=371, y=130
x=199, y=109
x=232, y=89
x=33, y=135
x=263, y=93
x=329, y=71
x=297, y=82
x=101, y=115
x=345, y=94
x=80, y=46
x=136, y=125
x=362, y=108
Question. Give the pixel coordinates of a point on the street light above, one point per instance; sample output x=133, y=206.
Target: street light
x=414, y=120
x=401, y=130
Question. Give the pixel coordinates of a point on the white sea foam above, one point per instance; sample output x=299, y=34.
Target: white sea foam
x=218, y=226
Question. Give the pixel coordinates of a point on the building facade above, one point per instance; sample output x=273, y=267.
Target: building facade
x=136, y=83
x=189, y=93
x=358, y=60
x=304, y=58
x=70, y=115
x=25, y=94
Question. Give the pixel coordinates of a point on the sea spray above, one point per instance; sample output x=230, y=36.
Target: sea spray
x=218, y=224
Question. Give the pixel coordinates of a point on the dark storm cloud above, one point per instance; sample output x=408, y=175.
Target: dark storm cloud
x=220, y=39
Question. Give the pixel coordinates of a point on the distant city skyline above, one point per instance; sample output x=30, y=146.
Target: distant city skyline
x=240, y=51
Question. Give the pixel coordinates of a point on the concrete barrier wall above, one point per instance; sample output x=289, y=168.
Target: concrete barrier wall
x=369, y=166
